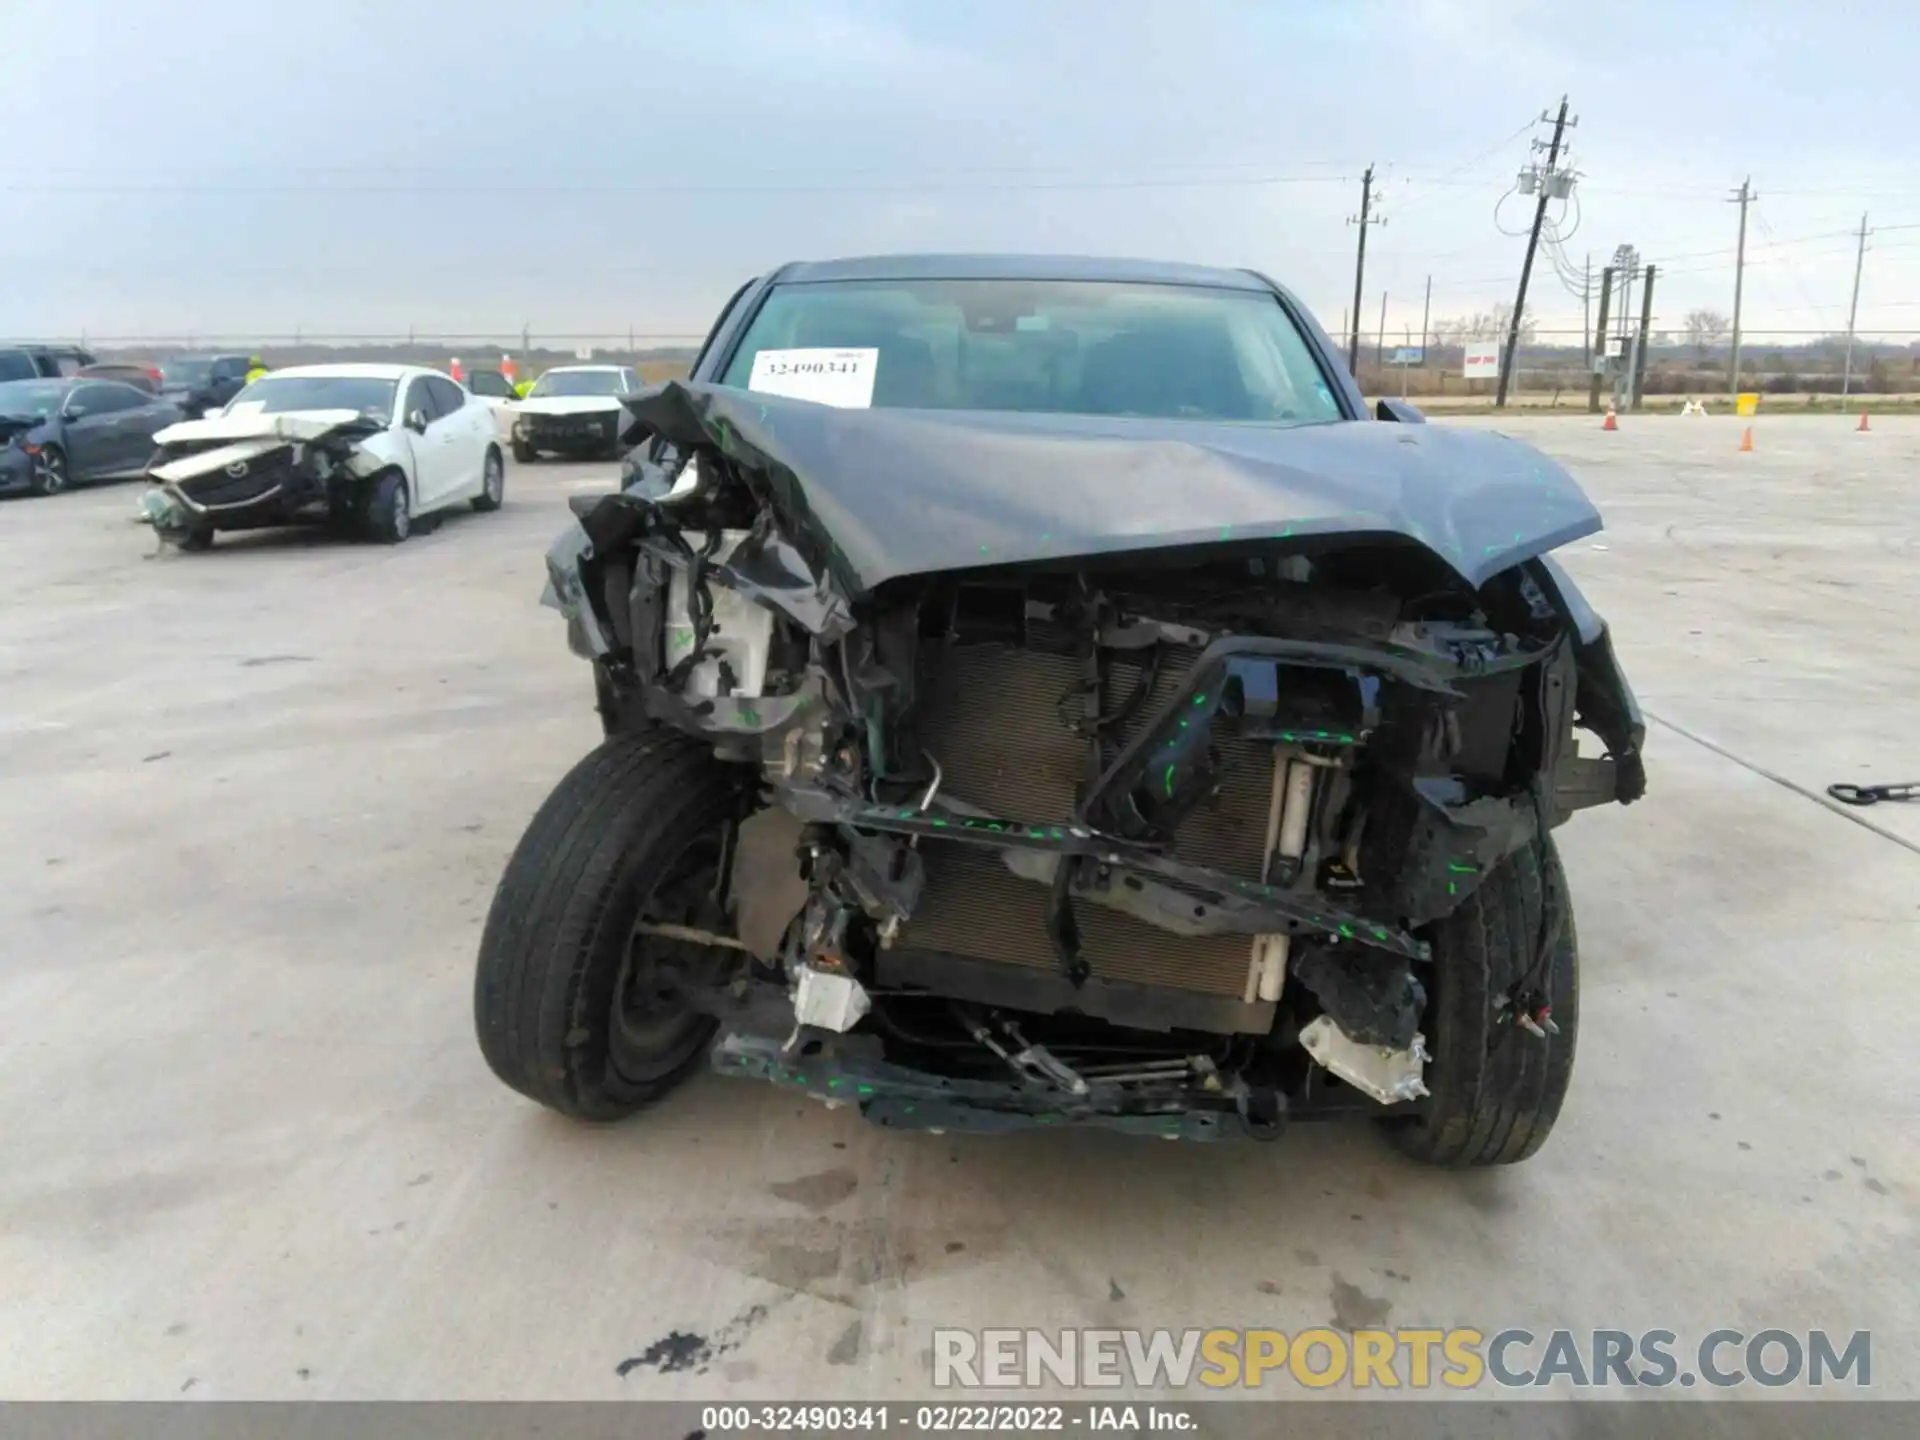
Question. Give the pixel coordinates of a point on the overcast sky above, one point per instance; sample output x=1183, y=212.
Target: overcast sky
x=590, y=166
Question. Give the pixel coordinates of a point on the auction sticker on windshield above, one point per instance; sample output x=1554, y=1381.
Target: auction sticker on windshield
x=826, y=377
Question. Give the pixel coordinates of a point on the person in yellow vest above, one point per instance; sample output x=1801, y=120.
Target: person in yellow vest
x=255, y=371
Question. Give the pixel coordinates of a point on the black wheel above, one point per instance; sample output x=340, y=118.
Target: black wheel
x=389, y=518
x=523, y=453
x=50, y=472
x=196, y=541
x=572, y=1003
x=1496, y=1087
x=493, y=482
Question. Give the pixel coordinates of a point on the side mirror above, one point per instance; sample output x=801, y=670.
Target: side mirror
x=417, y=421
x=73, y=412
x=1400, y=410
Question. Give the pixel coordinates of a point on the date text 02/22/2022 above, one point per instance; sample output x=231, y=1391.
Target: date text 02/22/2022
x=986, y=1419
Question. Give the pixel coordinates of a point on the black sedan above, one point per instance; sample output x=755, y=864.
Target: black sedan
x=55, y=433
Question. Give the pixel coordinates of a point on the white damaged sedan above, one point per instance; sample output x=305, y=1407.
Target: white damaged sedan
x=371, y=448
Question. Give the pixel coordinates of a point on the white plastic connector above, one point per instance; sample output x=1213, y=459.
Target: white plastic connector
x=829, y=1000
x=1389, y=1076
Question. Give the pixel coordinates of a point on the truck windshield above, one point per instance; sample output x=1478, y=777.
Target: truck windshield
x=1173, y=352
x=575, y=382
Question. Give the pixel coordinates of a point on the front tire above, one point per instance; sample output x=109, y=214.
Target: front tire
x=1496, y=1088
x=563, y=1002
x=523, y=453
x=50, y=472
x=196, y=541
x=389, y=513
x=493, y=482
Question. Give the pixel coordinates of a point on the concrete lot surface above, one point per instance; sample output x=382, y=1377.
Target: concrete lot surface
x=253, y=805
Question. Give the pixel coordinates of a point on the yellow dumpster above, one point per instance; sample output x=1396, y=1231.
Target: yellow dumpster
x=1747, y=404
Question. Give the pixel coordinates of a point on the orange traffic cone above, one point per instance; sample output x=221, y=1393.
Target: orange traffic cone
x=454, y=369
x=1746, y=440
x=1863, y=422
x=1610, y=423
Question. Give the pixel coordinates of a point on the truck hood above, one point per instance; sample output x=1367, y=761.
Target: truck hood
x=569, y=405
x=880, y=494
x=283, y=426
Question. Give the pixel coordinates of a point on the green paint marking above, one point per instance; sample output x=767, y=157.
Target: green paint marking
x=1379, y=934
x=1346, y=930
x=1226, y=532
x=983, y=549
x=1167, y=780
x=1458, y=869
x=1319, y=734
x=939, y=824
x=909, y=1109
x=1183, y=724
x=1346, y=739
x=835, y=1083
x=865, y=1089
x=1200, y=699
x=1452, y=889
x=749, y=715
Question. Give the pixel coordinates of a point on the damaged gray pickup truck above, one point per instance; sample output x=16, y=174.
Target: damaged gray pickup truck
x=1038, y=693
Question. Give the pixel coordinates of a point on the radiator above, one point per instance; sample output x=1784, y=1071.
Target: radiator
x=992, y=720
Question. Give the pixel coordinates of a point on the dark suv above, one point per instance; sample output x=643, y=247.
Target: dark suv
x=199, y=383
x=42, y=362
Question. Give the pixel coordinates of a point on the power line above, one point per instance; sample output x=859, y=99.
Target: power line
x=1792, y=273
x=654, y=188
x=1421, y=195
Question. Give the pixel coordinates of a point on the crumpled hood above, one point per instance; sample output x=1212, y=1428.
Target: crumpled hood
x=569, y=405
x=890, y=493
x=255, y=425
x=11, y=425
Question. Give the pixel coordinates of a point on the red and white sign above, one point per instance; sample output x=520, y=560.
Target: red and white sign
x=1483, y=360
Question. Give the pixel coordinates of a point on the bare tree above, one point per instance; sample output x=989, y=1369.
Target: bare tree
x=1706, y=329
x=1482, y=325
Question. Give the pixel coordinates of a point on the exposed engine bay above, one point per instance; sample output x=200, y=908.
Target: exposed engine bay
x=1141, y=831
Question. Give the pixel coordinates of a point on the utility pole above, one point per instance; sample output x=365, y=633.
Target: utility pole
x=1640, y=350
x=1586, y=308
x=1600, y=339
x=1367, y=218
x=1526, y=266
x=1426, y=313
x=1380, y=340
x=1743, y=197
x=1853, y=310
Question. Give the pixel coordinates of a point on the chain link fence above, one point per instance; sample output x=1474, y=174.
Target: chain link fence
x=656, y=356
x=1555, y=368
